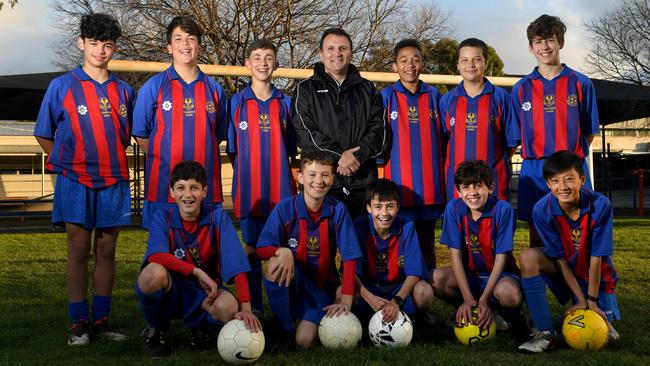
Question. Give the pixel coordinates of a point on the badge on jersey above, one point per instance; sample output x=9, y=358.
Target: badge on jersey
x=105, y=107
x=413, y=114
x=209, y=107
x=526, y=106
x=572, y=100
x=293, y=243
x=82, y=110
x=549, y=103
x=188, y=106
x=167, y=106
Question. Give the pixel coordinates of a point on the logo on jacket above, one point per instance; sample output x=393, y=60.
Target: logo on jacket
x=82, y=110
x=413, y=114
x=209, y=107
x=549, y=103
x=167, y=106
x=572, y=100
x=526, y=106
x=188, y=106
x=105, y=107
x=264, y=122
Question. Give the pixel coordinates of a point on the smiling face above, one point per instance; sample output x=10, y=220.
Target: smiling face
x=546, y=50
x=96, y=53
x=261, y=62
x=383, y=213
x=565, y=186
x=471, y=64
x=188, y=195
x=475, y=196
x=409, y=65
x=184, y=47
x=336, y=54
x=316, y=180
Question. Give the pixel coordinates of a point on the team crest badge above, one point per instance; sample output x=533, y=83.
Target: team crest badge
x=470, y=122
x=414, y=117
x=382, y=259
x=293, y=242
x=474, y=243
x=492, y=120
x=209, y=107
x=400, y=261
x=452, y=121
x=179, y=253
x=572, y=100
x=526, y=106
x=313, y=247
x=393, y=115
x=123, y=112
x=188, y=106
x=549, y=103
x=264, y=122
x=82, y=110
x=576, y=236
x=243, y=125
x=104, y=106
x=167, y=106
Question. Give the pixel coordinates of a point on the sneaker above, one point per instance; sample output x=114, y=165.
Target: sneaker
x=79, y=334
x=540, y=342
x=203, y=338
x=502, y=324
x=102, y=328
x=614, y=335
x=155, y=342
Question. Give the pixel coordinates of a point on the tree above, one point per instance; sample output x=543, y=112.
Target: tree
x=230, y=25
x=12, y=3
x=620, y=41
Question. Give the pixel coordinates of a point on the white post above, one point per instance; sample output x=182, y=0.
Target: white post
x=42, y=173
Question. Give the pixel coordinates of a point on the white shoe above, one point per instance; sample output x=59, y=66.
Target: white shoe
x=502, y=324
x=614, y=335
x=102, y=328
x=540, y=342
x=79, y=334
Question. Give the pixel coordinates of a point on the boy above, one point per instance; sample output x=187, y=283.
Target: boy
x=260, y=142
x=180, y=115
x=300, y=240
x=558, y=112
x=393, y=274
x=193, y=250
x=84, y=126
x=575, y=225
x=415, y=158
x=478, y=229
x=480, y=120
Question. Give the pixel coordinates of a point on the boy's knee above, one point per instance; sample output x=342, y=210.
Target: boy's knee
x=305, y=340
x=528, y=258
x=224, y=307
x=509, y=295
x=423, y=294
x=438, y=281
x=153, y=277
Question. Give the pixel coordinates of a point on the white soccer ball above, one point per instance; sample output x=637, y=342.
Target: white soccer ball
x=238, y=345
x=394, y=334
x=343, y=331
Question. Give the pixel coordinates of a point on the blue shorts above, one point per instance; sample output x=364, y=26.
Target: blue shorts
x=532, y=186
x=422, y=213
x=91, y=208
x=151, y=207
x=387, y=292
x=607, y=302
x=308, y=298
x=477, y=284
x=251, y=228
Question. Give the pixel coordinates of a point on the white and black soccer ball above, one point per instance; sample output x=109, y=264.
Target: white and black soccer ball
x=343, y=331
x=394, y=334
x=238, y=345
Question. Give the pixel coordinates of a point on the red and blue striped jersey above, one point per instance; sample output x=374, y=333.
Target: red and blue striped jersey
x=260, y=135
x=214, y=247
x=414, y=159
x=182, y=122
x=480, y=241
x=577, y=241
x=480, y=128
x=313, y=244
x=556, y=114
x=90, y=124
x=389, y=261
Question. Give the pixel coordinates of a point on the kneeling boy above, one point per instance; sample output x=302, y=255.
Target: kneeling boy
x=192, y=251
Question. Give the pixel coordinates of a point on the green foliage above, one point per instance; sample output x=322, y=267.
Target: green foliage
x=33, y=314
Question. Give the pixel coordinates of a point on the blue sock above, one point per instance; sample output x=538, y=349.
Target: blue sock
x=150, y=306
x=280, y=302
x=255, y=283
x=535, y=291
x=78, y=311
x=101, y=306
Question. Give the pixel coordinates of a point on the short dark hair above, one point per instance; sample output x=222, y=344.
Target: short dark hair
x=473, y=42
x=321, y=157
x=186, y=170
x=337, y=32
x=473, y=172
x=261, y=44
x=561, y=161
x=187, y=25
x=545, y=27
x=409, y=42
x=383, y=190
x=99, y=26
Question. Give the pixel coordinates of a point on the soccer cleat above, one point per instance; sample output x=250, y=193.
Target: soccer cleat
x=540, y=342
x=79, y=334
x=614, y=335
x=502, y=324
x=284, y=343
x=102, y=328
x=203, y=337
x=155, y=342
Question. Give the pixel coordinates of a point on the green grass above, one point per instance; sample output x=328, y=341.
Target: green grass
x=33, y=319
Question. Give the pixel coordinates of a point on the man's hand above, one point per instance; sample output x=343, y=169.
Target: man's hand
x=281, y=269
x=348, y=163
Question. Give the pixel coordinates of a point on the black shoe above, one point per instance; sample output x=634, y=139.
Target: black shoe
x=284, y=343
x=156, y=342
x=204, y=337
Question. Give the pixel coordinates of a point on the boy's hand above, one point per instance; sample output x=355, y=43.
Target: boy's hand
x=282, y=273
x=592, y=305
x=577, y=306
x=485, y=315
x=390, y=311
x=336, y=309
x=208, y=284
x=252, y=323
x=376, y=303
x=464, y=313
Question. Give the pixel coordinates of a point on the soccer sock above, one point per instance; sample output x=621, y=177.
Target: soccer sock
x=535, y=291
x=150, y=306
x=78, y=311
x=101, y=306
x=255, y=283
x=280, y=302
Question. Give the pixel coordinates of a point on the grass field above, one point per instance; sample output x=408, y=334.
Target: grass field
x=33, y=318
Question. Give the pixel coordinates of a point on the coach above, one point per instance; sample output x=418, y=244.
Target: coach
x=338, y=111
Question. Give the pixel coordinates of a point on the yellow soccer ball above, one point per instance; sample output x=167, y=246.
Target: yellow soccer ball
x=472, y=334
x=585, y=330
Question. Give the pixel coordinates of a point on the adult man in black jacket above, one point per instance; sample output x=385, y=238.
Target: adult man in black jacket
x=338, y=111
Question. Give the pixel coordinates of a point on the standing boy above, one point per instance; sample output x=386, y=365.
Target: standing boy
x=192, y=252
x=479, y=229
x=416, y=152
x=260, y=142
x=558, y=111
x=180, y=115
x=84, y=126
x=575, y=225
x=300, y=241
x=480, y=120
x=393, y=273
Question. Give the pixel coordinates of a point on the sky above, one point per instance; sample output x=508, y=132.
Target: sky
x=27, y=32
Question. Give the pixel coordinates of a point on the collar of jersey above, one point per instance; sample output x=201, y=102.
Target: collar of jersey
x=326, y=211
x=422, y=88
x=173, y=75
x=488, y=88
x=81, y=74
x=487, y=210
x=395, y=228
x=249, y=94
x=566, y=71
x=585, y=204
x=177, y=223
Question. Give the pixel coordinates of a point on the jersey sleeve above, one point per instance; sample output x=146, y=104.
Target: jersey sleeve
x=144, y=112
x=505, y=225
x=361, y=229
x=231, y=142
x=158, y=234
x=602, y=238
x=273, y=232
x=130, y=97
x=413, y=260
x=222, y=111
x=589, y=120
x=543, y=221
x=511, y=120
x=232, y=257
x=452, y=228
x=516, y=93
x=444, y=110
x=346, y=237
x=50, y=111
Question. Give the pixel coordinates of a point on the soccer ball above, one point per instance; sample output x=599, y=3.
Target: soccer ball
x=343, y=331
x=397, y=333
x=238, y=345
x=585, y=330
x=472, y=334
